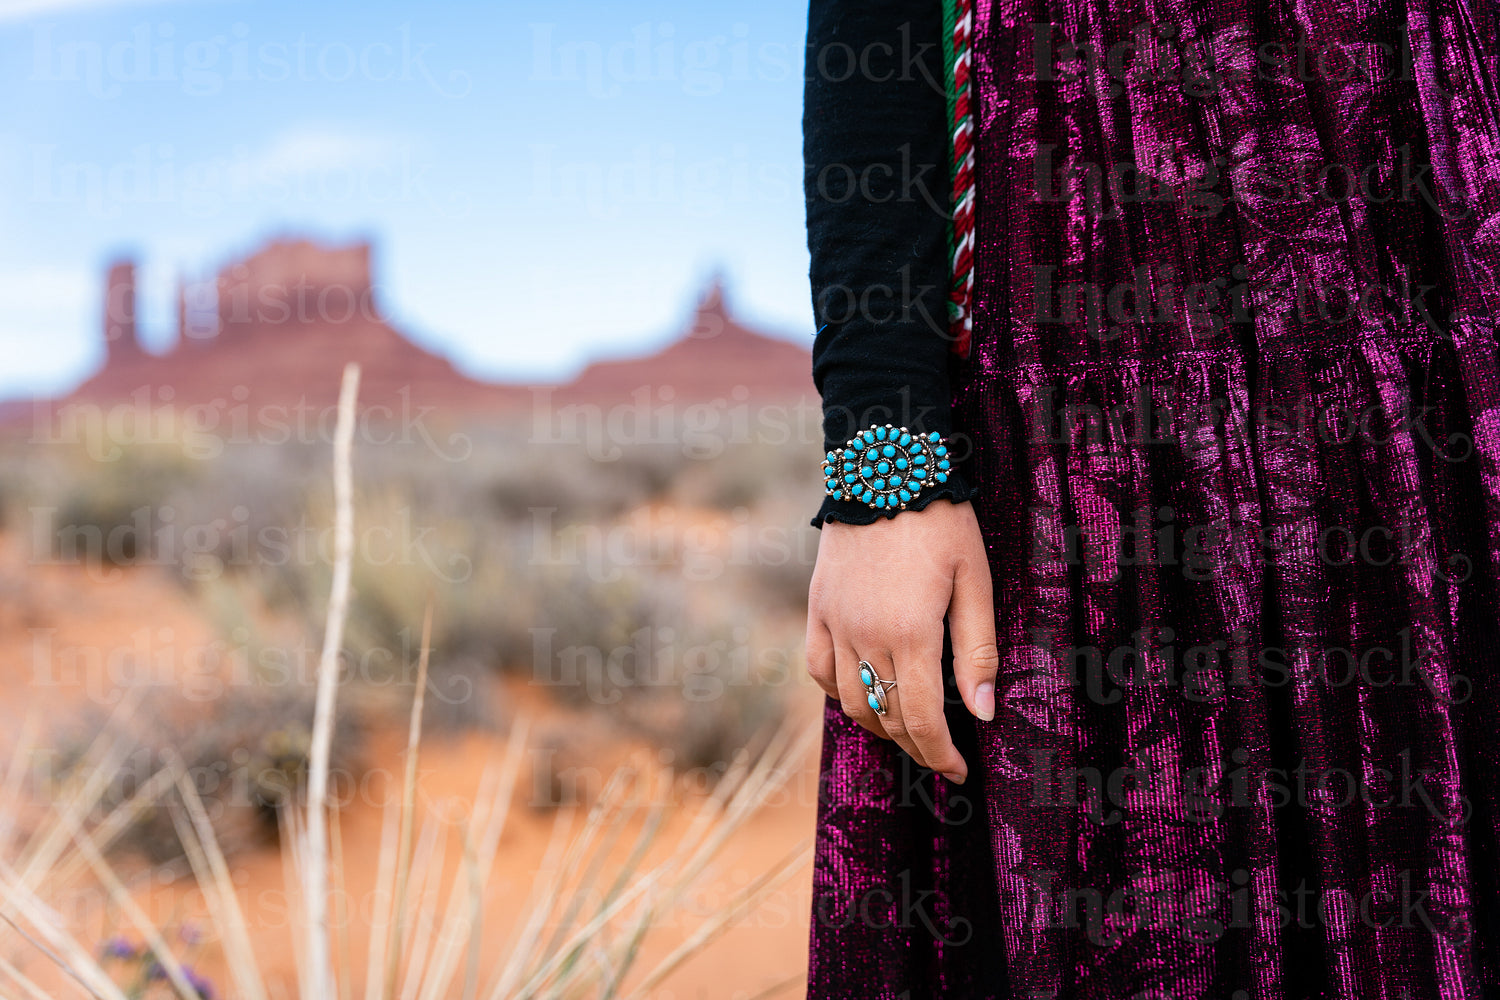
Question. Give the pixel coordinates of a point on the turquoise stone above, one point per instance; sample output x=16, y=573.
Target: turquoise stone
x=878, y=484
x=888, y=451
x=919, y=473
x=942, y=477
x=880, y=501
x=920, y=460
x=905, y=496
x=866, y=471
x=874, y=702
x=872, y=454
x=905, y=440
x=880, y=433
x=901, y=463
x=866, y=677
x=849, y=478
x=848, y=466
x=896, y=484
x=934, y=437
x=883, y=467
x=940, y=450
x=943, y=464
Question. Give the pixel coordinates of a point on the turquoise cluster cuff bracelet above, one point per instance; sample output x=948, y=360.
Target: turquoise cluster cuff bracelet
x=886, y=467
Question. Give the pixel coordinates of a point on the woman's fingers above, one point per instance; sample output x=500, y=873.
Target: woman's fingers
x=852, y=693
x=971, y=621
x=820, y=660
x=916, y=718
x=880, y=592
x=892, y=723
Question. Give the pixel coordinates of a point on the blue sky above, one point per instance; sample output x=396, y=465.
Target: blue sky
x=545, y=182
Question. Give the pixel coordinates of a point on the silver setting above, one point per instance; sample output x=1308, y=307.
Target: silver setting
x=876, y=687
x=886, y=467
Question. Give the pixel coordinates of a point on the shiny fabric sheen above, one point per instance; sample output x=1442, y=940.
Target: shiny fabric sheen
x=1291, y=790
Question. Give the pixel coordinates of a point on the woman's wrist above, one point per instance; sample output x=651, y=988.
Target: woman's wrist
x=886, y=467
x=884, y=470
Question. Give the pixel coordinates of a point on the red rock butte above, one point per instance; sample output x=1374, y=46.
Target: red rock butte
x=277, y=327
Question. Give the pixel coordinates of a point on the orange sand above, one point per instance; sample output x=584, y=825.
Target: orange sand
x=60, y=628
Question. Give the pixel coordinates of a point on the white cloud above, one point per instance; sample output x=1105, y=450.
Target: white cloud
x=47, y=317
x=40, y=289
x=307, y=151
x=20, y=10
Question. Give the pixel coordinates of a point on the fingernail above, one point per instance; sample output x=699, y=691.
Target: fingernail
x=984, y=701
x=957, y=779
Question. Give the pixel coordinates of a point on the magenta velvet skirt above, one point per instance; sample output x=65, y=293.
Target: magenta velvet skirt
x=1233, y=403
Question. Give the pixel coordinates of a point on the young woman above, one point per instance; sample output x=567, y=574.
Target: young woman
x=1157, y=601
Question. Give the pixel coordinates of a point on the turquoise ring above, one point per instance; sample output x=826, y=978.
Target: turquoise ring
x=875, y=688
x=886, y=467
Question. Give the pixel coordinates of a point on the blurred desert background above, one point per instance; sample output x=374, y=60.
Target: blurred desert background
x=568, y=748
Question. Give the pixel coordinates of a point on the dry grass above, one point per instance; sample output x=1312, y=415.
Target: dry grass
x=580, y=933
x=581, y=930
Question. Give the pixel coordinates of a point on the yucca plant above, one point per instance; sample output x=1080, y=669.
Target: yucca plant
x=580, y=934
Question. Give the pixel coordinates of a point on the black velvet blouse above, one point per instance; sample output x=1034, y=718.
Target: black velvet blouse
x=877, y=185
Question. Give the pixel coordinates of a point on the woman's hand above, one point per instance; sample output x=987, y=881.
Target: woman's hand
x=879, y=593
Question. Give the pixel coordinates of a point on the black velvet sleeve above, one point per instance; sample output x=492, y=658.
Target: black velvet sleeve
x=876, y=180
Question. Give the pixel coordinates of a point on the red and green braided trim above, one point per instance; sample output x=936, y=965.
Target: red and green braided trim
x=958, y=27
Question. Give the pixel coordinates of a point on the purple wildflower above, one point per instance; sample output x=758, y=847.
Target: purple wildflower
x=200, y=985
